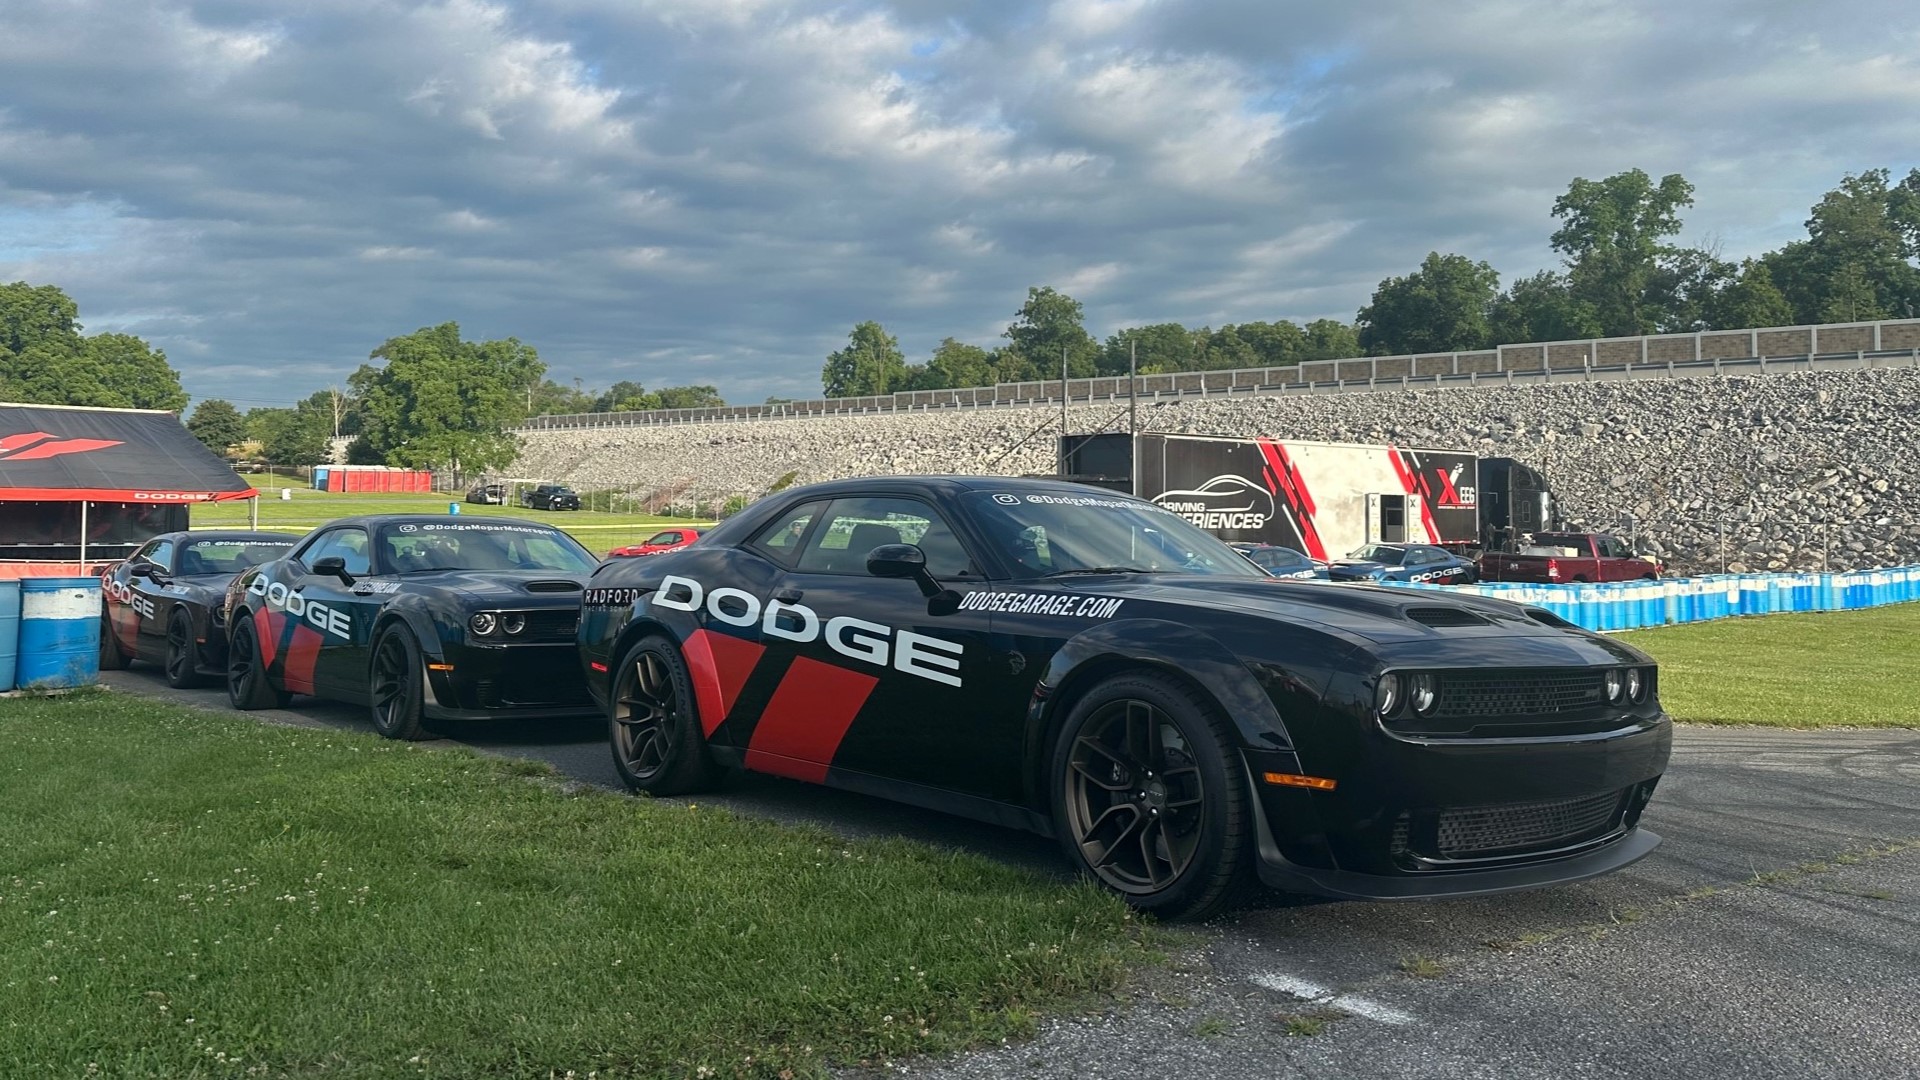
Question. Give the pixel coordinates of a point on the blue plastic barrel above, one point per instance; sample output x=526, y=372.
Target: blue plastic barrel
x=9, y=631
x=59, y=633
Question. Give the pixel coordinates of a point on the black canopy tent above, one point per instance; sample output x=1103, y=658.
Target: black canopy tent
x=79, y=482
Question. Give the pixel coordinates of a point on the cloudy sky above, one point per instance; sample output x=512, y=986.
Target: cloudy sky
x=715, y=191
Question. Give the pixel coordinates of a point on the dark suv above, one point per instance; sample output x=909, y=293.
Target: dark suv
x=550, y=497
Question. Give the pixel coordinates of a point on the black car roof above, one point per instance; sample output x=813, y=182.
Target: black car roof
x=372, y=520
x=954, y=484
x=230, y=535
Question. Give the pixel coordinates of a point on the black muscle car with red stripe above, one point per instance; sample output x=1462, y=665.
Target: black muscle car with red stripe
x=166, y=603
x=1094, y=667
x=420, y=618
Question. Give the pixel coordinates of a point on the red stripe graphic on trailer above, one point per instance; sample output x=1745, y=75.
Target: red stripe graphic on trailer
x=801, y=728
x=1290, y=485
x=1411, y=482
x=719, y=666
x=303, y=652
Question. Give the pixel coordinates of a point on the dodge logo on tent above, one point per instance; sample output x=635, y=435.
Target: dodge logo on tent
x=22, y=447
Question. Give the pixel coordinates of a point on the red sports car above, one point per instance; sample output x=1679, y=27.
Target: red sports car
x=669, y=540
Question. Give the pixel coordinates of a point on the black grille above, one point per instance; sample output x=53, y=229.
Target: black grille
x=551, y=625
x=1519, y=693
x=1482, y=831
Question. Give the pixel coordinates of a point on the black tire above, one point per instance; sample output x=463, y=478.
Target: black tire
x=397, y=680
x=111, y=658
x=1150, y=799
x=182, y=660
x=248, y=686
x=653, y=722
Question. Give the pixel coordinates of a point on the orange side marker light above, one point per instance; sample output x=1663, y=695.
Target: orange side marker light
x=1287, y=779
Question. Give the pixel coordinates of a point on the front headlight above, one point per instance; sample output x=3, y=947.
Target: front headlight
x=1636, y=684
x=1386, y=695
x=483, y=623
x=1616, y=685
x=513, y=621
x=1423, y=693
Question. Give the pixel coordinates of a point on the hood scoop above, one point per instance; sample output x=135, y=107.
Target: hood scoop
x=553, y=586
x=1446, y=616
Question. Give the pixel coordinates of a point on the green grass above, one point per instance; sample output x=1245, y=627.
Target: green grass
x=1832, y=669
x=597, y=530
x=186, y=894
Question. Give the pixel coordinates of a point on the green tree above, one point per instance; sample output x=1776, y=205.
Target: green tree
x=289, y=436
x=691, y=397
x=441, y=402
x=44, y=359
x=218, y=425
x=1161, y=346
x=1274, y=344
x=1330, y=339
x=1540, y=308
x=625, y=396
x=1750, y=300
x=871, y=364
x=549, y=398
x=953, y=364
x=1612, y=234
x=1441, y=307
x=1857, y=261
x=1047, y=324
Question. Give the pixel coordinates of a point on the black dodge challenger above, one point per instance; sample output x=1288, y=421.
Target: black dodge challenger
x=419, y=618
x=1091, y=666
x=166, y=603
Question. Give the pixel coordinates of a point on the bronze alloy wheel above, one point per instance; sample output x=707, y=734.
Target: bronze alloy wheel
x=1134, y=797
x=645, y=714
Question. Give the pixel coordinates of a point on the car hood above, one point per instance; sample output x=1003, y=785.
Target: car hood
x=1358, y=567
x=504, y=586
x=1416, y=623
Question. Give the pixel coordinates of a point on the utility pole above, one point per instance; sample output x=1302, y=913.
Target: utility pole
x=1133, y=378
x=1060, y=454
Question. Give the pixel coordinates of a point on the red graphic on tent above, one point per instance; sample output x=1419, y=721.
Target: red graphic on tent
x=22, y=447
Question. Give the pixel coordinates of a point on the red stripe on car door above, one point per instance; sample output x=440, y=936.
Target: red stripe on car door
x=266, y=635
x=302, y=653
x=801, y=728
x=719, y=666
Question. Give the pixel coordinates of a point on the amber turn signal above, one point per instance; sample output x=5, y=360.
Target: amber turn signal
x=1287, y=779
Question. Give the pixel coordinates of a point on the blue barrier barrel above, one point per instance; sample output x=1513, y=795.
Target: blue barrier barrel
x=59, y=632
x=9, y=631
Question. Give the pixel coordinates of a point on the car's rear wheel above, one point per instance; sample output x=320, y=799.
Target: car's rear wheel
x=248, y=686
x=111, y=657
x=399, y=696
x=183, y=653
x=1149, y=797
x=658, y=744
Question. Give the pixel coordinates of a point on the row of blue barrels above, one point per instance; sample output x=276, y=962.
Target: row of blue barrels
x=1635, y=605
x=49, y=633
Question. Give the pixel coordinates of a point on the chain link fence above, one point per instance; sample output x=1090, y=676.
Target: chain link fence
x=1754, y=544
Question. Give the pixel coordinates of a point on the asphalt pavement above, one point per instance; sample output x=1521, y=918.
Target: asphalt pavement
x=1776, y=933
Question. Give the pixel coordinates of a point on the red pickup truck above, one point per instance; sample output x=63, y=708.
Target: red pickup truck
x=1563, y=558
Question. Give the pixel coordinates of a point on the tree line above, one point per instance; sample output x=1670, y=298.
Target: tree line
x=1620, y=276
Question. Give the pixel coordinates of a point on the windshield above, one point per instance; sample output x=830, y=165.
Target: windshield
x=412, y=547
x=231, y=556
x=1043, y=534
x=1379, y=553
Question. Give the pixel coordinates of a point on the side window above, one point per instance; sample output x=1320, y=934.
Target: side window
x=781, y=537
x=160, y=554
x=348, y=544
x=854, y=527
x=1422, y=556
x=1614, y=548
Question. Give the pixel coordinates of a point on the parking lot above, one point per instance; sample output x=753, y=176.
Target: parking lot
x=1775, y=933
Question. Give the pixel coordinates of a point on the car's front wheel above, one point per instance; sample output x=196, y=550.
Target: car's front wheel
x=183, y=653
x=1150, y=799
x=248, y=686
x=111, y=656
x=658, y=744
x=399, y=696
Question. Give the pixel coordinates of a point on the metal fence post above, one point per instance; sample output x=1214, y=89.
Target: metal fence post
x=1721, y=528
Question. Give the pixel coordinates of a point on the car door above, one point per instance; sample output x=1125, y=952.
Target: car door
x=133, y=601
x=879, y=680
x=326, y=652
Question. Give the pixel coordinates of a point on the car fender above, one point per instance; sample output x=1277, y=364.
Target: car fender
x=1171, y=648
x=416, y=612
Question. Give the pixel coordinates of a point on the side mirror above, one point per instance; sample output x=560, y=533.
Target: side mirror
x=904, y=561
x=141, y=569
x=333, y=566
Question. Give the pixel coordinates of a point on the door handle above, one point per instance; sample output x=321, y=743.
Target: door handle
x=788, y=596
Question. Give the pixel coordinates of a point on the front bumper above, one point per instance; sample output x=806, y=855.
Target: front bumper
x=1460, y=817
x=511, y=682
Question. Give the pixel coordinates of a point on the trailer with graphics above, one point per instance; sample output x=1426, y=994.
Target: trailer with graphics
x=1324, y=499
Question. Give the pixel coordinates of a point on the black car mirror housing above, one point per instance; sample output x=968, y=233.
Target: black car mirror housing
x=333, y=566
x=908, y=561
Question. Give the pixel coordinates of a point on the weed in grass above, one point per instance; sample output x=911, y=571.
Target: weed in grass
x=1307, y=1024
x=1422, y=967
x=1212, y=1027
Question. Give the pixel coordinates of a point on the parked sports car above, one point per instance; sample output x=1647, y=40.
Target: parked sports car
x=165, y=604
x=550, y=497
x=1282, y=562
x=1094, y=667
x=1403, y=562
x=665, y=540
x=419, y=618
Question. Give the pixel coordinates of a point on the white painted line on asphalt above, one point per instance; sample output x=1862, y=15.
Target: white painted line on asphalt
x=1321, y=995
